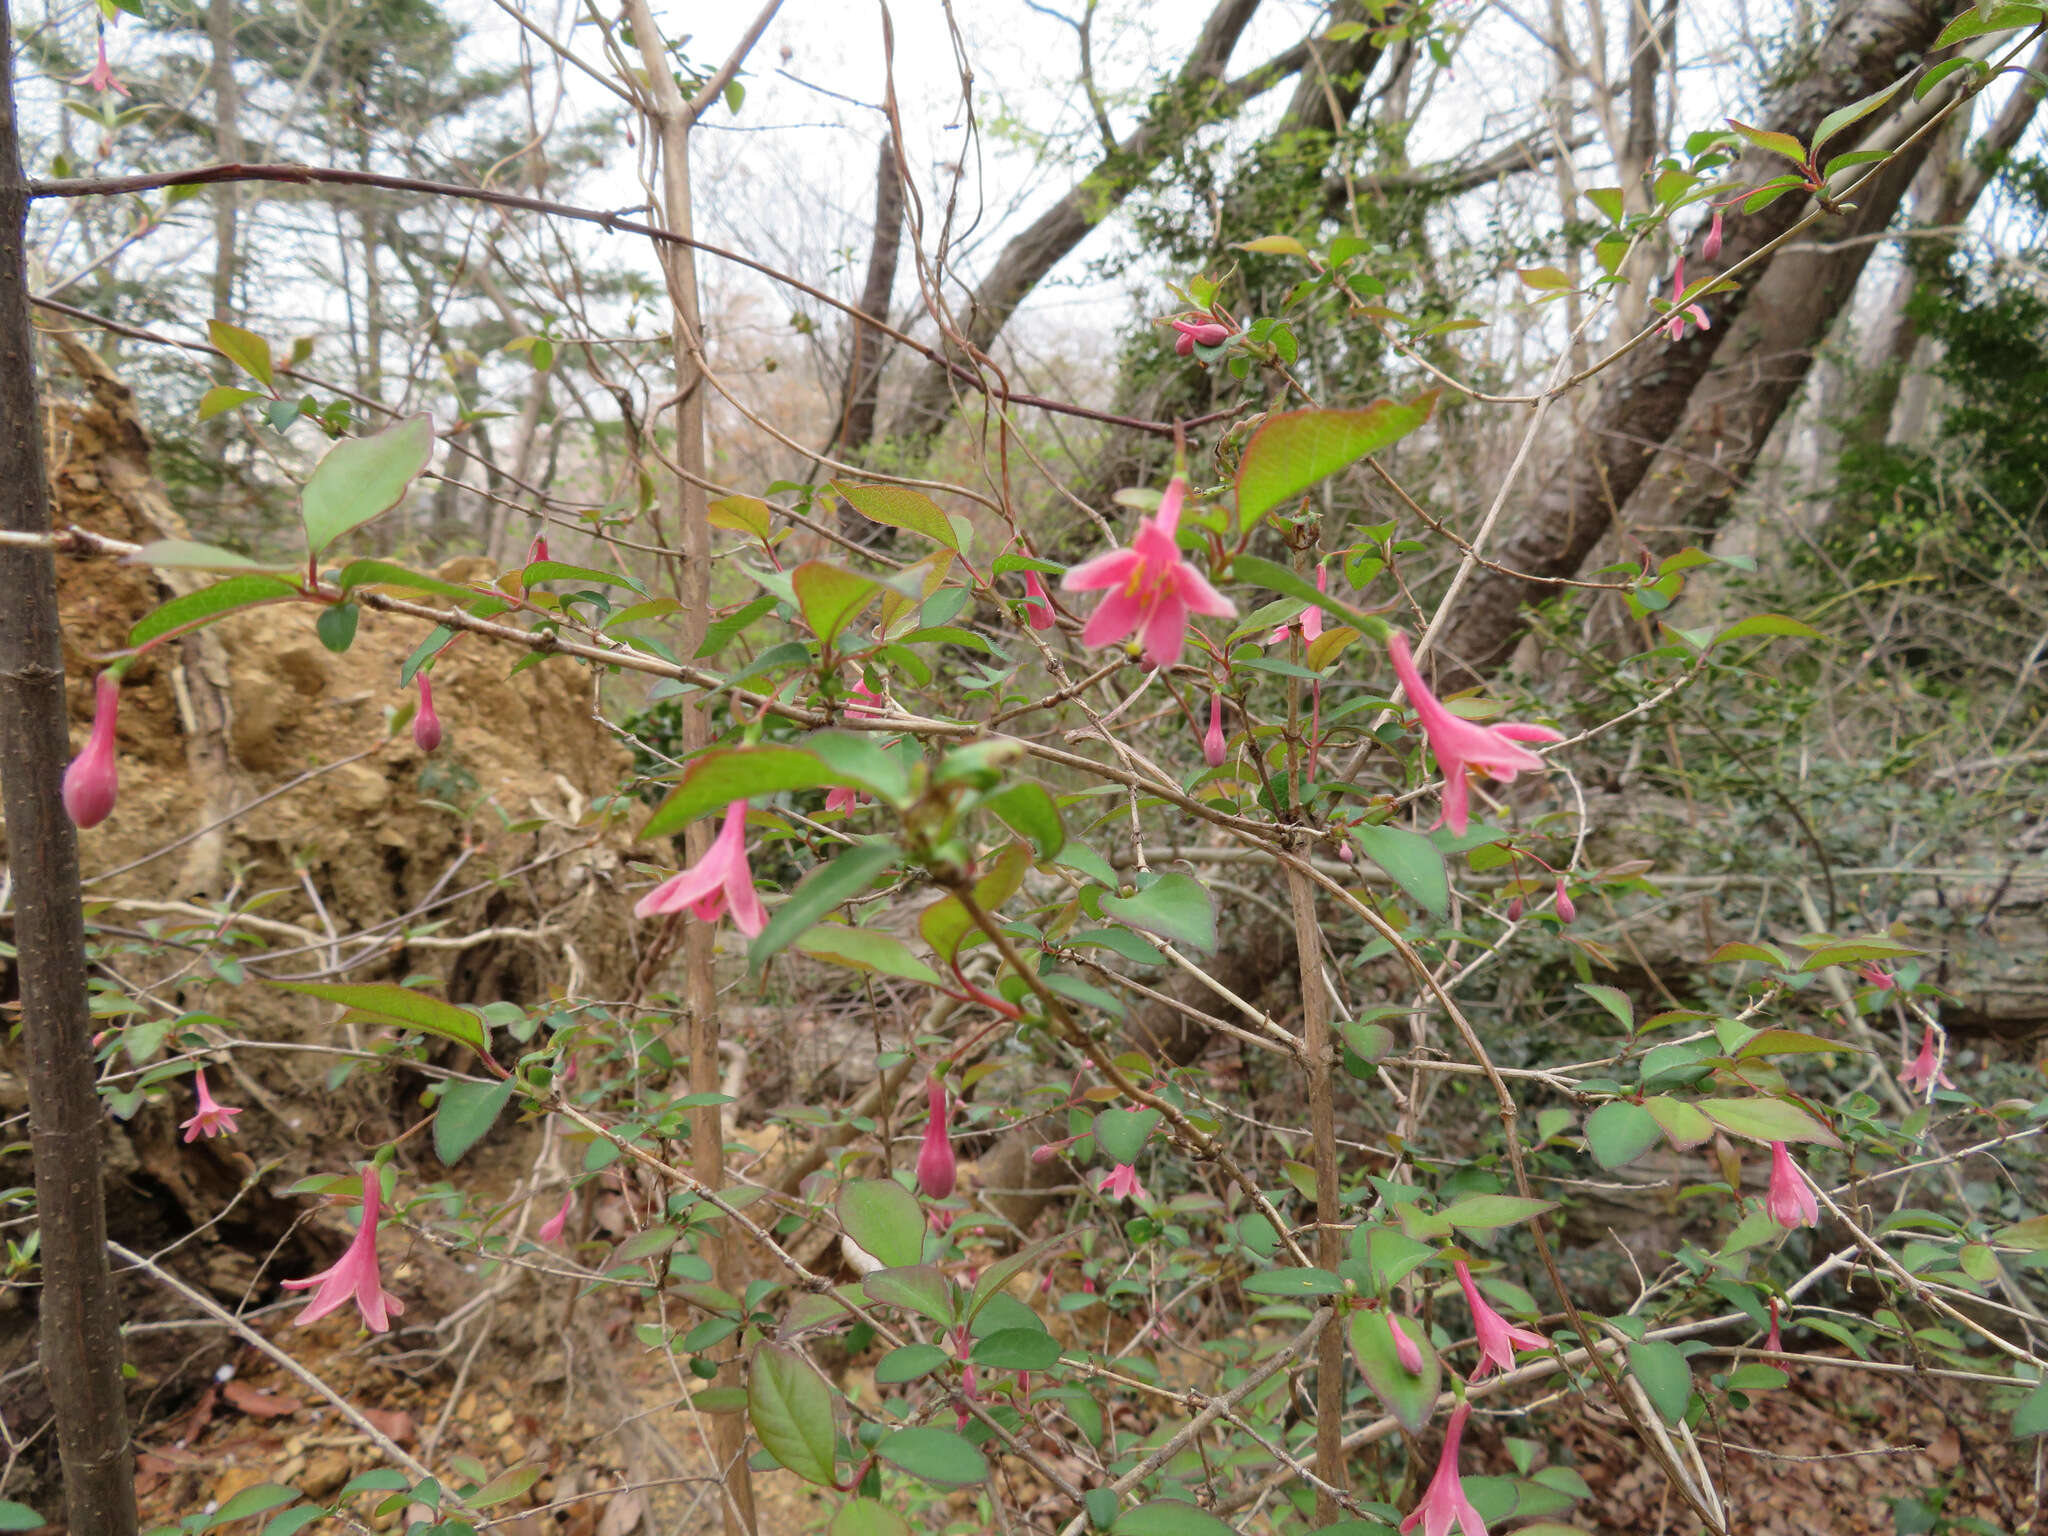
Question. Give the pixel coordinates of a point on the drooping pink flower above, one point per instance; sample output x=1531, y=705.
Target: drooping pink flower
x=1148, y=589
x=1772, y=1341
x=1037, y=602
x=551, y=1230
x=1674, y=325
x=1877, y=976
x=1406, y=1350
x=937, y=1170
x=101, y=76
x=1462, y=744
x=720, y=879
x=1194, y=333
x=1444, y=1503
x=538, y=550
x=1311, y=621
x=1498, y=1338
x=1212, y=739
x=842, y=799
x=1711, y=246
x=355, y=1276
x=426, y=725
x=1790, y=1201
x=212, y=1119
x=1925, y=1069
x=1121, y=1183
x=1566, y=912
x=93, y=778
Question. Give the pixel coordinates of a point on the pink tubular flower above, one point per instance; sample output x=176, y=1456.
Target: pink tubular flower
x=538, y=550
x=719, y=879
x=1566, y=912
x=1790, y=1202
x=551, y=1229
x=842, y=799
x=1406, y=1350
x=355, y=1277
x=1926, y=1069
x=1148, y=588
x=212, y=1119
x=1711, y=246
x=1212, y=739
x=1445, y=1504
x=1121, y=1183
x=937, y=1171
x=1037, y=602
x=1311, y=621
x=1461, y=744
x=1674, y=326
x=1498, y=1338
x=93, y=777
x=1772, y=1341
x=1877, y=976
x=101, y=76
x=426, y=725
x=1198, y=333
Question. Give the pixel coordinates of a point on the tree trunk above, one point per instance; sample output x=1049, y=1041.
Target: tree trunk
x=81, y=1336
x=227, y=147
x=1646, y=394
x=870, y=347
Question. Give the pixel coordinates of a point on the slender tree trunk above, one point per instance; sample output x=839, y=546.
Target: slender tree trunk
x=81, y=1335
x=1644, y=396
x=227, y=144
x=870, y=347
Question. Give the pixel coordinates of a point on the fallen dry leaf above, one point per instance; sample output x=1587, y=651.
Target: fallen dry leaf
x=259, y=1404
x=395, y=1424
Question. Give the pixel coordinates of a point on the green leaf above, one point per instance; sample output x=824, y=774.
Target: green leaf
x=1294, y=1282
x=382, y=573
x=791, y=1410
x=865, y=949
x=883, y=1218
x=1680, y=1120
x=1017, y=1349
x=936, y=1455
x=1856, y=952
x=1942, y=71
x=715, y=780
x=1292, y=450
x=1614, y=1000
x=1763, y=1119
x=1620, y=1133
x=822, y=889
x=2031, y=1418
x=245, y=349
x=830, y=597
x=945, y=923
x=1291, y=583
x=19, y=1517
x=1767, y=624
x=1003, y=1271
x=720, y=634
x=389, y=1004
x=507, y=1485
x=909, y=1362
x=1174, y=907
x=465, y=1115
x=920, y=1288
x=898, y=506
x=292, y=1521
x=1486, y=1213
x=1169, y=1517
x=1409, y=1396
x=1756, y=1378
x=555, y=570
x=184, y=554
x=363, y=477
x=1772, y=142
x=225, y=397
x=1415, y=863
x=742, y=514
x=209, y=603
x=1666, y=1378
x=1121, y=1133
x=336, y=626
x=260, y=1500
x=1027, y=809
x=1609, y=200
x=866, y=1517
x=1977, y=23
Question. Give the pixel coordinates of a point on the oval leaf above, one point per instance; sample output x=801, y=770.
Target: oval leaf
x=883, y=1218
x=1292, y=450
x=936, y=1455
x=362, y=477
x=791, y=1410
x=1409, y=1396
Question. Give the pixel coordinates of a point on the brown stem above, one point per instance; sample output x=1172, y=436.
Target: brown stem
x=81, y=1333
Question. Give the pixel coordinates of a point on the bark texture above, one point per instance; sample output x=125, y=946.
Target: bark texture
x=1869, y=44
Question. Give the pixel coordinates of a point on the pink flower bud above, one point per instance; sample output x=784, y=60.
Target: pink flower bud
x=1773, y=1342
x=1711, y=246
x=92, y=779
x=1212, y=742
x=1790, y=1200
x=1566, y=912
x=1200, y=333
x=1045, y=1154
x=1037, y=603
x=1515, y=910
x=426, y=725
x=539, y=549
x=1406, y=1350
x=937, y=1172
x=551, y=1229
